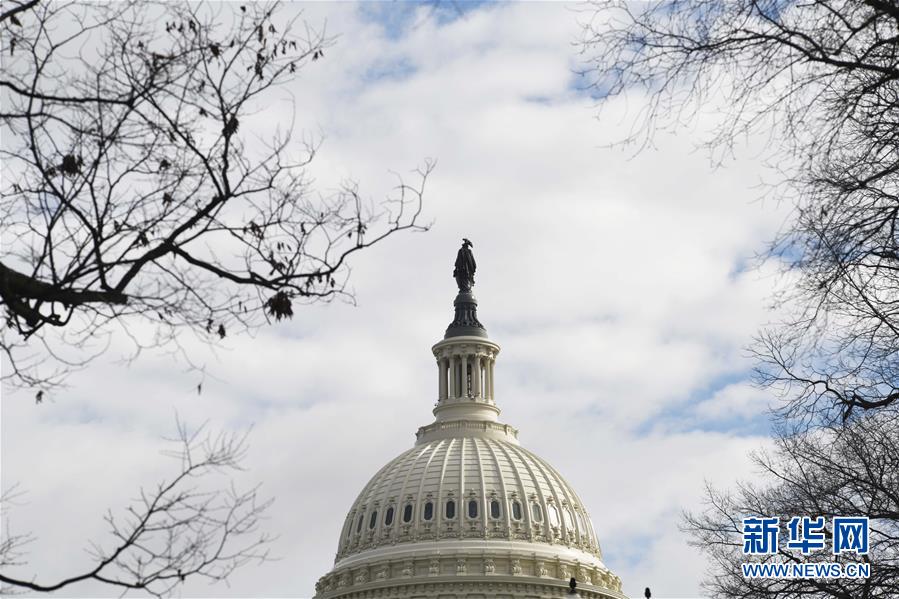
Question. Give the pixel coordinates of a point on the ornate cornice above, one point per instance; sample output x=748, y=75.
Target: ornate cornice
x=466, y=428
x=479, y=572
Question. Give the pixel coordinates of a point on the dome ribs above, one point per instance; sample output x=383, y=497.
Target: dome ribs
x=526, y=508
x=505, y=516
x=468, y=467
x=388, y=500
x=482, y=514
x=441, y=496
x=423, y=529
x=525, y=456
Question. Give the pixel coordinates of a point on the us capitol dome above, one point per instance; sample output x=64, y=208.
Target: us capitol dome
x=467, y=512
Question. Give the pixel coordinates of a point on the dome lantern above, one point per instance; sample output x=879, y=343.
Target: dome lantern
x=465, y=357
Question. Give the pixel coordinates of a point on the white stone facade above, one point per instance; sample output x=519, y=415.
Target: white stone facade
x=467, y=512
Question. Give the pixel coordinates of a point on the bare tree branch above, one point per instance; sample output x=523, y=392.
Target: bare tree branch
x=834, y=472
x=821, y=78
x=177, y=530
x=139, y=191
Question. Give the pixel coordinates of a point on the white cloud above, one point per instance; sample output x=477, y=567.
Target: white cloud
x=614, y=286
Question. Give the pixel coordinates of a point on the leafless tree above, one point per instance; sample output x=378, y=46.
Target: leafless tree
x=833, y=472
x=181, y=528
x=821, y=79
x=139, y=192
x=12, y=543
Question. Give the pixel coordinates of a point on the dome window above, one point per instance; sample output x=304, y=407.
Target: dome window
x=388, y=517
x=407, y=513
x=373, y=520
x=553, y=515
x=473, y=509
x=516, y=509
x=536, y=512
x=428, y=513
x=359, y=523
x=495, y=511
x=566, y=513
x=450, y=509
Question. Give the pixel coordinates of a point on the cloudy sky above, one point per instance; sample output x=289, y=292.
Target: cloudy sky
x=621, y=289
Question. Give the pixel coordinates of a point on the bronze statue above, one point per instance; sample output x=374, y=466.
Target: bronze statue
x=465, y=322
x=465, y=267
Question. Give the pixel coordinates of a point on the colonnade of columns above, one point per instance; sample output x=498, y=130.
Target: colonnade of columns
x=465, y=375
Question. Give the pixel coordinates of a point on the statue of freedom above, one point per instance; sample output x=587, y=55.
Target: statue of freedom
x=465, y=267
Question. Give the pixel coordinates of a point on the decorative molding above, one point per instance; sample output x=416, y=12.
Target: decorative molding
x=514, y=572
x=470, y=428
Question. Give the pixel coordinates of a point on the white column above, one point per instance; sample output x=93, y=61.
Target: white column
x=441, y=374
x=464, y=376
x=447, y=367
x=476, y=378
x=447, y=370
x=490, y=379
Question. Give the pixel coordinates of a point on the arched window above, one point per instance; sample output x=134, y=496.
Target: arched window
x=450, y=509
x=359, y=523
x=566, y=514
x=536, y=512
x=428, y=513
x=373, y=520
x=495, y=511
x=553, y=515
x=407, y=513
x=473, y=508
x=388, y=517
x=516, y=509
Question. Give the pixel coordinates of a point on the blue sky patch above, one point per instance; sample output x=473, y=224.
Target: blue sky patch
x=389, y=70
x=397, y=18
